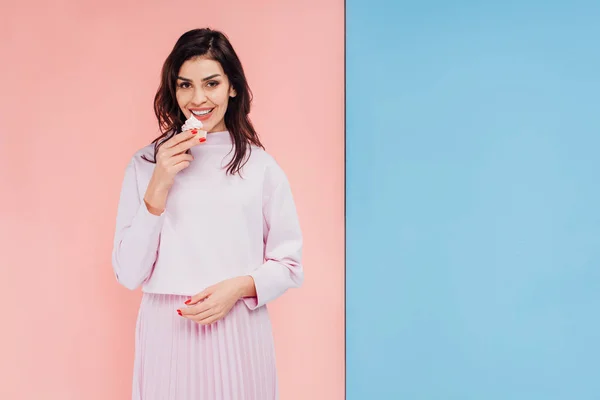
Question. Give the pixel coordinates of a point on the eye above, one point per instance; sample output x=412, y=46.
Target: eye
x=212, y=83
x=184, y=85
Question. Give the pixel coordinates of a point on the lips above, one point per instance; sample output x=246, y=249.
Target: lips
x=205, y=116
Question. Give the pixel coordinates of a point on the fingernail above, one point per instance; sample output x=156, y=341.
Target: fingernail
x=194, y=131
x=179, y=312
x=188, y=301
x=202, y=139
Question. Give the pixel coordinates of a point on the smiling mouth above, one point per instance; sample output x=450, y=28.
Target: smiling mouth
x=204, y=114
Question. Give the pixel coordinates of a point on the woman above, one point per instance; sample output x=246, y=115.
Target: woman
x=209, y=229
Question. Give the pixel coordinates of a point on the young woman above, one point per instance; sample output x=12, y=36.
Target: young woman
x=209, y=229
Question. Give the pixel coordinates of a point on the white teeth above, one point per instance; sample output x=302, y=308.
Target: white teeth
x=201, y=112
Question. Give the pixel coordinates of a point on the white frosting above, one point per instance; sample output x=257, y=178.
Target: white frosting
x=191, y=123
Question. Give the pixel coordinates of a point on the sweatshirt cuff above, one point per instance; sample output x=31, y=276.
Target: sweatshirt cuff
x=251, y=302
x=268, y=281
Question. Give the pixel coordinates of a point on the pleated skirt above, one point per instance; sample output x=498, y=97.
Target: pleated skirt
x=178, y=359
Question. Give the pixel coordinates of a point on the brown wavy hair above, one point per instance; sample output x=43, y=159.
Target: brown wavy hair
x=213, y=45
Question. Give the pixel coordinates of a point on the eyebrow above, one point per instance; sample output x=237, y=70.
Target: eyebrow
x=203, y=80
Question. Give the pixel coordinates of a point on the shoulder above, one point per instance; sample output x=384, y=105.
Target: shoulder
x=138, y=158
x=261, y=156
x=137, y=163
x=268, y=163
x=145, y=152
x=273, y=174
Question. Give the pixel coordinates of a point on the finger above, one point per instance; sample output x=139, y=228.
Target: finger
x=195, y=309
x=196, y=314
x=200, y=307
x=210, y=320
x=178, y=142
x=200, y=296
x=192, y=312
x=185, y=146
x=182, y=157
x=180, y=167
x=177, y=163
x=180, y=137
x=189, y=136
x=204, y=316
x=198, y=136
x=181, y=147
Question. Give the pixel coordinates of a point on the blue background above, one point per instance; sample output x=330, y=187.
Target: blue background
x=473, y=222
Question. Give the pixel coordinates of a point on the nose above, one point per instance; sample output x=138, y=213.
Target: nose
x=199, y=96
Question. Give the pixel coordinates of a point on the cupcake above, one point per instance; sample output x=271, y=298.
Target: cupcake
x=193, y=123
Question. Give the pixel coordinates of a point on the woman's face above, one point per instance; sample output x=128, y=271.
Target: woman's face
x=204, y=89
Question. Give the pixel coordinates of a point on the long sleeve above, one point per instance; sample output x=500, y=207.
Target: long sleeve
x=137, y=234
x=282, y=268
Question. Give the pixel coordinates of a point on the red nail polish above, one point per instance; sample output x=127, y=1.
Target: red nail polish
x=188, y=301
x=194, y=131
x=202, y=139
x=179, y=312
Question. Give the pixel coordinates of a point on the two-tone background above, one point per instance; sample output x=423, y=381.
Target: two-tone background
x=444, y=157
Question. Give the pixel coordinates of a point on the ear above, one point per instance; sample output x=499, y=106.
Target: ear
x=232, y=92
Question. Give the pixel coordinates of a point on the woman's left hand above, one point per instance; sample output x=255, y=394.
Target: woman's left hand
x=214, y=302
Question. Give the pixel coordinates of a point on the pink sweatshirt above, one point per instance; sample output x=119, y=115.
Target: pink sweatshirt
x=215, y=226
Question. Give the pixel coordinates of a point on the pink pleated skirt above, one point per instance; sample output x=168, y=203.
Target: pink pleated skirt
x=178, y=359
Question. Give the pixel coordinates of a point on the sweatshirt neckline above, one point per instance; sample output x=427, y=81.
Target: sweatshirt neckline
x=220, y=137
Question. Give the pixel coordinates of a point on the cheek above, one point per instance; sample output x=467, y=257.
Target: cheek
x=182, y=99
x=222, y=100
x=221, y=96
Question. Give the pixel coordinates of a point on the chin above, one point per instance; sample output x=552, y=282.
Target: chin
x=208, y=127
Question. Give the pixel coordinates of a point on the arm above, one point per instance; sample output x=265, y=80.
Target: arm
x=282, y=268
x=137, y=234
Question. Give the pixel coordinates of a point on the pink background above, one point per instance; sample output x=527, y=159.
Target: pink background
x=77, y=83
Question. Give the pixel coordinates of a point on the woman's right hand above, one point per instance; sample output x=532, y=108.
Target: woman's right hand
x=170, y=159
